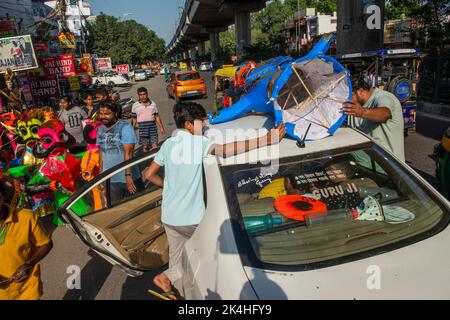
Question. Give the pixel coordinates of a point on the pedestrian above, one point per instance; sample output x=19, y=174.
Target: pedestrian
x=72, y=117
x=144, y=114
x=116, y=140
x=183, y=197
x=23, y=244
x=166, y=73
x=378, y=114
x=103, y=95
x=89, y=108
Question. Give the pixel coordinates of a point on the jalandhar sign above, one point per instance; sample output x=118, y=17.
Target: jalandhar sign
x=17, y=54
x=62, y=66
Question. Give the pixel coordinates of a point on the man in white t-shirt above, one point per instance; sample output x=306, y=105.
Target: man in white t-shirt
x=145, y=114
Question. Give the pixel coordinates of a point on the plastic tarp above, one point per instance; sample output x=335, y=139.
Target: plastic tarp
x=311, y=92
x=255, y=97
x=305, y=94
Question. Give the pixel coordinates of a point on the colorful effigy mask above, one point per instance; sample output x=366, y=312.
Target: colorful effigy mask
x=90, y=133
x=8, y=119
x=52, y=135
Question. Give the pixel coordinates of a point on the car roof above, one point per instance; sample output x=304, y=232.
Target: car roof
x=226, y=133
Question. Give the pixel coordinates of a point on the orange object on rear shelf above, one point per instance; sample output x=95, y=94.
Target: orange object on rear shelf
x=297, y=207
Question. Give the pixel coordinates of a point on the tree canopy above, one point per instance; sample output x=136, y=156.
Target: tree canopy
x=433, y=26
x=125, y=41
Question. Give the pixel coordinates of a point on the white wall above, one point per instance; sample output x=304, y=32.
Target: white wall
x=326, y=23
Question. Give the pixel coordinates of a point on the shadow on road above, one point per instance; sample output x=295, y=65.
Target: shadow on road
x=95, y=273
x=136, y=288
x=428, y=177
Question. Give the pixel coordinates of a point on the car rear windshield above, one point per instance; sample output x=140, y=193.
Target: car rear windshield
x=188, y=76
x=315, y=212
x=139, y=71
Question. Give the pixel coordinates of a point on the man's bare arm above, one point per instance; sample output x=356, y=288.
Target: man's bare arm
x=152, y=176
x=379, y=114
x=231, y=149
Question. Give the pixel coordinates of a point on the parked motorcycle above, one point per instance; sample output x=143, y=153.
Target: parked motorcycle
x=126, y=105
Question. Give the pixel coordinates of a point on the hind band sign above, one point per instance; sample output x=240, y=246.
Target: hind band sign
x=17, y=54
x=62, y=66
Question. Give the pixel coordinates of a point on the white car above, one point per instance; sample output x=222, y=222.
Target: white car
x=341, y=218
x=140, y=75
x=111, y=79
x=205, y=66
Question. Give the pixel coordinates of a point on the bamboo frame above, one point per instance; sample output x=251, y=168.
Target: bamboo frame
x=310, y=95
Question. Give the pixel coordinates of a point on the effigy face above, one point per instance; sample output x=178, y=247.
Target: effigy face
x=52, y=136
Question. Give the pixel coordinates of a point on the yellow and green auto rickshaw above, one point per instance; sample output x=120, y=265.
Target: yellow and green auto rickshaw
x=223, y=78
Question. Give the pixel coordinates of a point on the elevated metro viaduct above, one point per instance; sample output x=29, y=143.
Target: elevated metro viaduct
x=203, y=20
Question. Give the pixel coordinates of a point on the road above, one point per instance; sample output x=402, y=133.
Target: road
x=99, y=280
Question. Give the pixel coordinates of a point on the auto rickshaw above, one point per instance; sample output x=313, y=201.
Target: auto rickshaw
x=396, y=71
x=223, y=79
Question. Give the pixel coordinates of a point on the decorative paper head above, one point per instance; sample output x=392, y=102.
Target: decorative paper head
x=52, y=135
x=28, y=127
x=8, y=119
x=90, y=132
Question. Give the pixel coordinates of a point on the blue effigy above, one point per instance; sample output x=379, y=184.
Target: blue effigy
x=306, y=94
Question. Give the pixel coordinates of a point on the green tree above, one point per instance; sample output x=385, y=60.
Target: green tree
x=272, y=23
x=433, y=27
x=395, y=8
x=228, y=41
x=125, y=42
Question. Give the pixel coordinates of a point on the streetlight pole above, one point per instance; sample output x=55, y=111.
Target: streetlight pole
x=297, y=25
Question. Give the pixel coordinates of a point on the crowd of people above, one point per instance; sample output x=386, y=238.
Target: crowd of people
x=375, y=112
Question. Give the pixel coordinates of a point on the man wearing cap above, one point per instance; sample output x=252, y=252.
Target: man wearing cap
x=378, y=114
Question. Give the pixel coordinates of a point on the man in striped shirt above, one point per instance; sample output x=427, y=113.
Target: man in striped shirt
x=145, y=115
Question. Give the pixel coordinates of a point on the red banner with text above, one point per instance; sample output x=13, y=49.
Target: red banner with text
x=62, y=66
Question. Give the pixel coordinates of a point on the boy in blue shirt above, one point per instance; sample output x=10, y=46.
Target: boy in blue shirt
x=182, y=156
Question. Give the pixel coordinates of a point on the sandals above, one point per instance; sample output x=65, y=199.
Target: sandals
x=164, y=295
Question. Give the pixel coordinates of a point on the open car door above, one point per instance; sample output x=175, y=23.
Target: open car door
x=123, y=228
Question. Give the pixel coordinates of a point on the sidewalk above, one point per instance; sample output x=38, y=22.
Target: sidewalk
x=432, y=119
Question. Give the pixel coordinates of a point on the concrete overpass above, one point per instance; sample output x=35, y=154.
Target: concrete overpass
x=203, y=20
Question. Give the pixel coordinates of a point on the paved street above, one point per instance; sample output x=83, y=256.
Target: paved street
x=101, y=281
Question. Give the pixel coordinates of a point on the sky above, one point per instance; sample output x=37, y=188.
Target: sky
x=158, y=15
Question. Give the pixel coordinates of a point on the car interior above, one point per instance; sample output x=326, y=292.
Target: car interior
x=131, y=223
x=391, y=207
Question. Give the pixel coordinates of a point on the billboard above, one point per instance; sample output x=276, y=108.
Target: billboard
x=63, y=66
x=7, y=28
x=44, y=87
x=122, y=68
x=102, y=64
x=67, y=40
x=17, y=53
x=83, y=66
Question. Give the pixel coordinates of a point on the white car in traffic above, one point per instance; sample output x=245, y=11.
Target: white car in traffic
x=205, y=66
x=111, y=78
x=334, y=220
x=140, y=75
